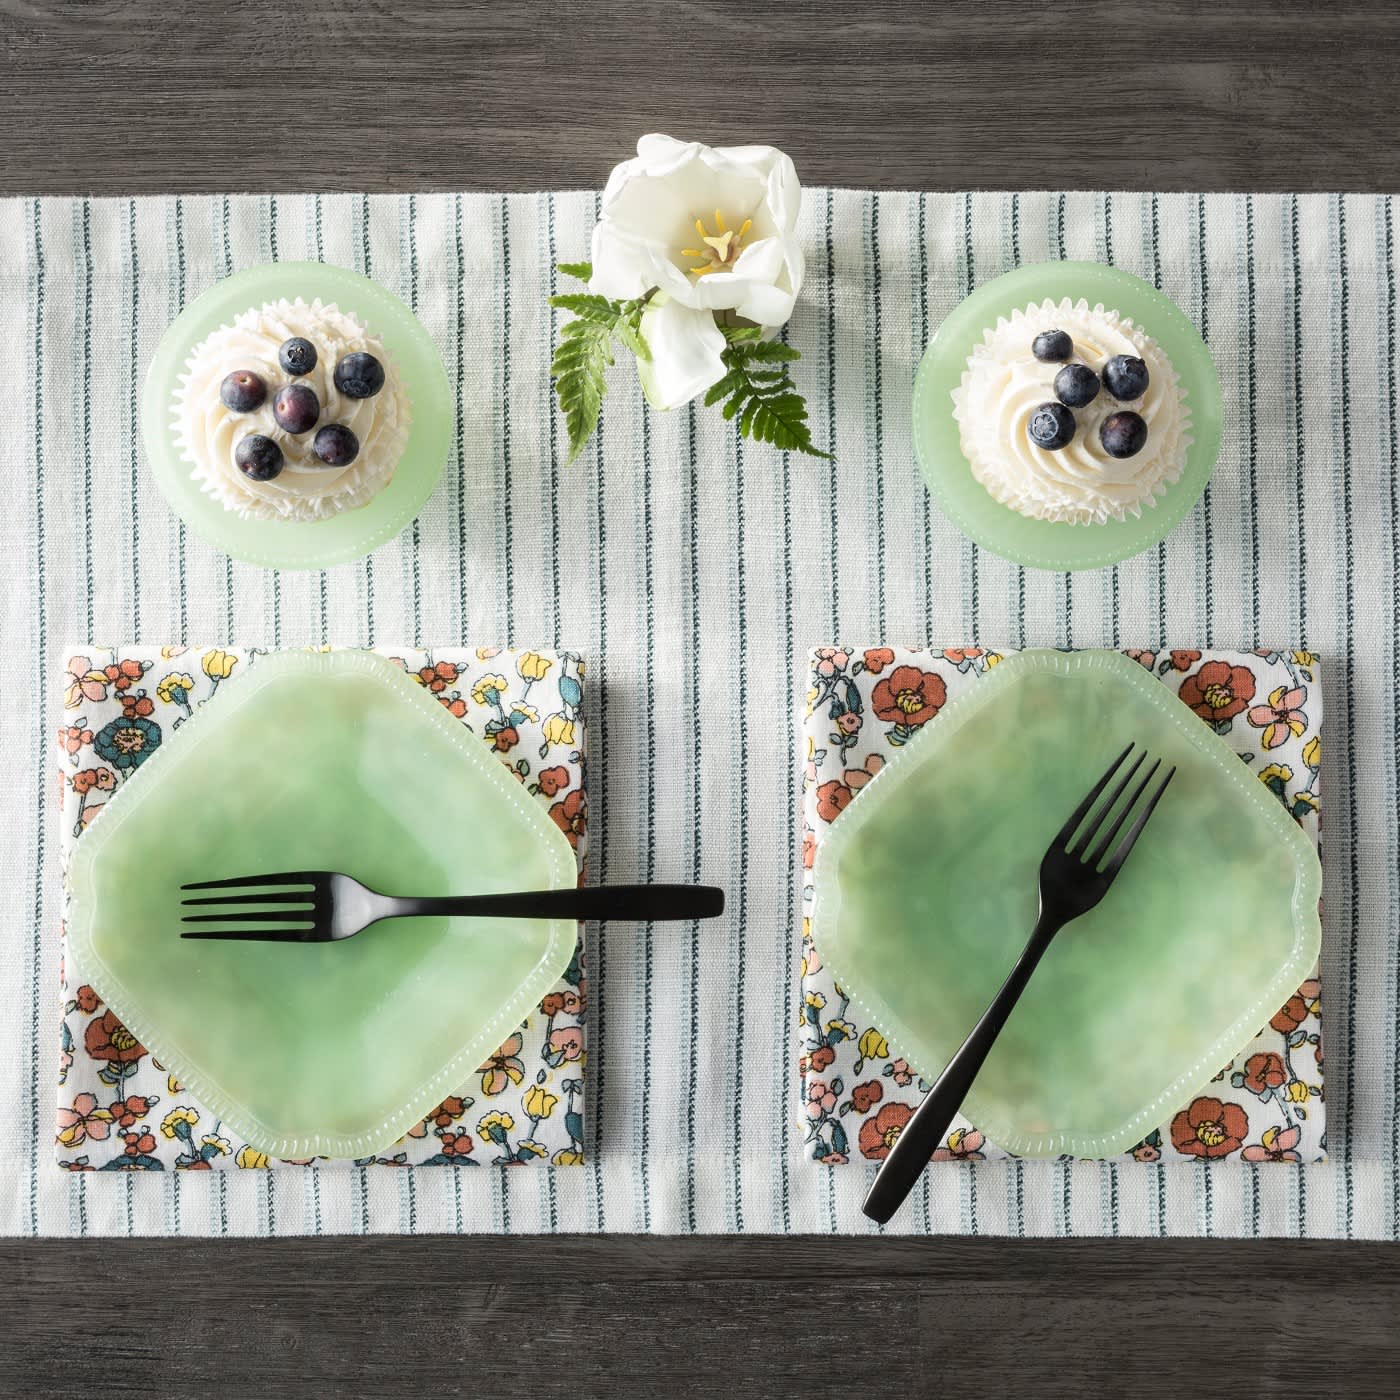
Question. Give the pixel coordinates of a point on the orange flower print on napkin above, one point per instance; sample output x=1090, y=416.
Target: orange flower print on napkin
x=880, y=1133
x=832, y=799
x=1218, y=691
x=907, y=698
x=1209, y=1128
x=568, y=816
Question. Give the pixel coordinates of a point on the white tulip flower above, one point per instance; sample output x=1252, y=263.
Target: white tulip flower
x=709, y=231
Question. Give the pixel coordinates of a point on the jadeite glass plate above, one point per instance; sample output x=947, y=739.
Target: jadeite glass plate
x=315, y=544
x=926, y=894
x=1048, y=544
x=329, y=761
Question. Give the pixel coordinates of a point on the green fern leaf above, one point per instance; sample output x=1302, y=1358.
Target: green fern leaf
x=738, y=335
x=579, y=368
x=587, y=307
x=582, y=270
x=759, y=391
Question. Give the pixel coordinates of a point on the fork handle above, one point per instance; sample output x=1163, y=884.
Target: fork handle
x=924, y=1131
x=640, y=903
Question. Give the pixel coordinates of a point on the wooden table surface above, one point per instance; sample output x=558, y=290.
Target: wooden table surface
x=123, y=96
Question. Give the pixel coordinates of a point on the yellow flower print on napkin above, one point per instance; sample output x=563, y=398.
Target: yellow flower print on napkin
x=485, y=691
x=539, y=1102
x=871, y=1046
x=175, y=687
x=534, y=667
x=170, y=1124
x=558, y=729
x=218, y=665
x=495, y=1127
x=250, y=1157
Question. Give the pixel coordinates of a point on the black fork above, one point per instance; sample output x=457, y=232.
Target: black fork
x=324, y=906
x=1073, y=879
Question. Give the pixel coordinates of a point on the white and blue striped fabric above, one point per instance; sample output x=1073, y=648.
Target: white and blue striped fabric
x=694, y=571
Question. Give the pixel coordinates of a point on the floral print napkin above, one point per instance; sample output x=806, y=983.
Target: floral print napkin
x=118, y=1110
x=863, y=703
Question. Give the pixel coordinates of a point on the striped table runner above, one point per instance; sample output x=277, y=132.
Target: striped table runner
x=695, y=570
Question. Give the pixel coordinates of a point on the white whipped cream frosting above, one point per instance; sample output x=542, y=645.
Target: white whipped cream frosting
x=1080, y=483
x=306, y=489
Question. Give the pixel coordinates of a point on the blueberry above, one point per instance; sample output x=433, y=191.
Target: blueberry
x=1125, y=377
x=1051, y=426
x=297, y=356
x=1052, y=346
x=242, y=391
x=258, y=457
x=335, y=445
x=296, y=408
x=359, y=375
x=1076, y=385
x=1123, y=434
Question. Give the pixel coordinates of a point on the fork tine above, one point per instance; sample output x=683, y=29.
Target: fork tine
x=304, y=918
x=1096, y=822
x=1123, y=816
x=285, y=877
x=298, y=897
x=1082, y=811
x=257, y=935
x=1134, y=831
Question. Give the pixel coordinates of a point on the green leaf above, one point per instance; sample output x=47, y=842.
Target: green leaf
x=583, y=271
x=721, y=388
x=631, y=336
x=588, y=307
x=759, y=391
x=585, y=351
x=774, y=350
x=578, y=370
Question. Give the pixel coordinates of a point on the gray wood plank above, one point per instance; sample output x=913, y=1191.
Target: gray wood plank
x=701, y=1317
x=118, y=96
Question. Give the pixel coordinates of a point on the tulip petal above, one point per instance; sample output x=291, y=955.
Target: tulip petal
x=687, y=351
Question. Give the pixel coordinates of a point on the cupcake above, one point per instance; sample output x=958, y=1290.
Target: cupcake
x=1072, y=413
x=292, y=412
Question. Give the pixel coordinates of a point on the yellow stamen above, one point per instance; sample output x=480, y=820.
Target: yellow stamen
x=720, y=243
x=720, y=249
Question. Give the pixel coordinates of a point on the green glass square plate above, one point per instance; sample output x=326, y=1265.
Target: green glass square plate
x=303, y=544
x=925, y=894
x=320, y=761
x=1052, y=544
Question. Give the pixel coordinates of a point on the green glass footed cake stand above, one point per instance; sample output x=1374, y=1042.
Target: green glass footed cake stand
x=1048, y=544
x=299, y=544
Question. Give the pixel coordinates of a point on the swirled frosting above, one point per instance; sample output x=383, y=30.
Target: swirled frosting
x=306, y=489
x=1080, y=483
